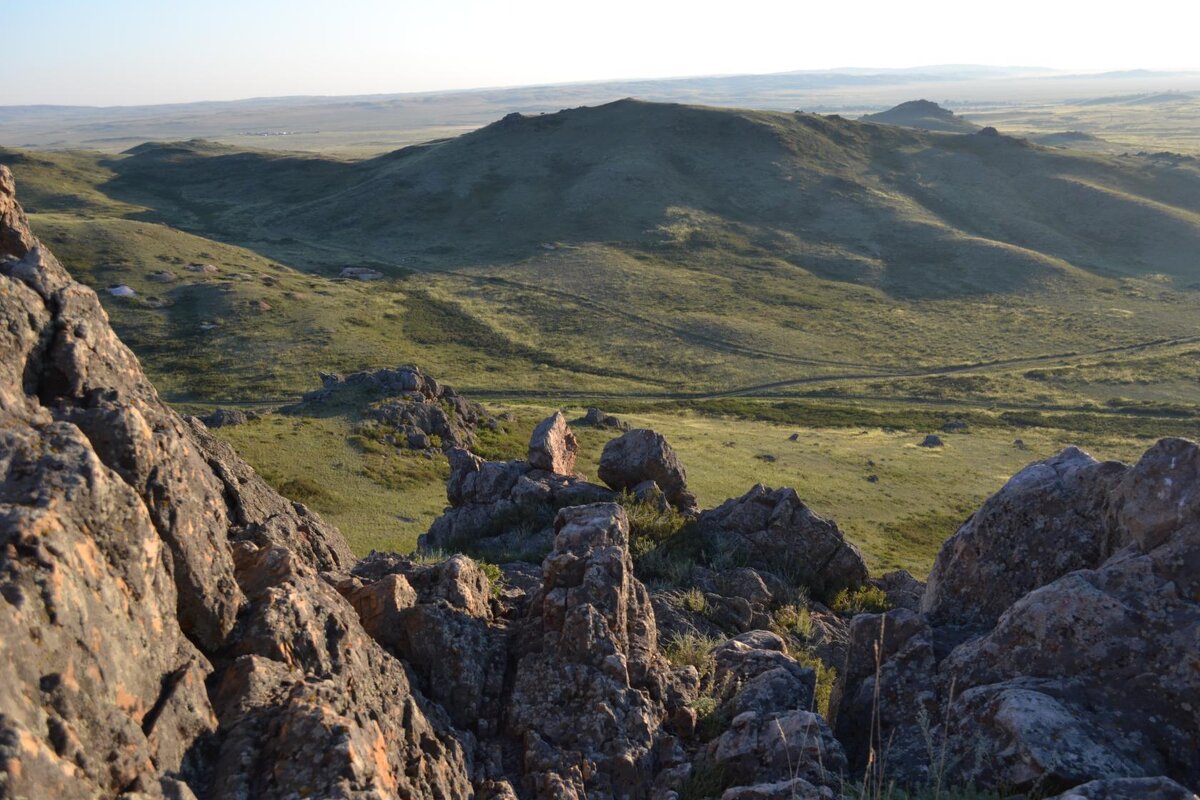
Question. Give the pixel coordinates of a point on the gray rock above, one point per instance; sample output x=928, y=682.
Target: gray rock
x=773, y=530
x=642, y=455
x=1049, y=519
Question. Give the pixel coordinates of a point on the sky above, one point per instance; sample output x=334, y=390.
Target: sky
x=127, y=52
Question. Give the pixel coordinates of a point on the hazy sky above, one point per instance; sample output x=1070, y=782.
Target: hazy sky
x=101, y=52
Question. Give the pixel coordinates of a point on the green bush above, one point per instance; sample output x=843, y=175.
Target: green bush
x=863, y=600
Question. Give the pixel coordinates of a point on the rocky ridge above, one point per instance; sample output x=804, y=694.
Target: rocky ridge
x=171, y=627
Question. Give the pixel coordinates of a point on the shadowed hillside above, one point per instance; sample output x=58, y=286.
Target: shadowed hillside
x=914, y=213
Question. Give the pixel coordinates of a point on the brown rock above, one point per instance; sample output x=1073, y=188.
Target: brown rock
x=553, y=446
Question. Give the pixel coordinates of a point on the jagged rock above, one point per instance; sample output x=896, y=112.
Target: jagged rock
x=257, y=513
x=553, y=446
x=932, y=440
x=1048, y=520
x=506, y=507
x=120, y=523
x=773, y=530
x=750, y=663
x=588, y=702
x=1129, y=789
x=642, y=455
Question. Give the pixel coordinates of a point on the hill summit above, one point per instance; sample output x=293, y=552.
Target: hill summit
x=923, y=114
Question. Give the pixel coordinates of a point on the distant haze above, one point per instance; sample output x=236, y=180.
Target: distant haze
x=124, y=52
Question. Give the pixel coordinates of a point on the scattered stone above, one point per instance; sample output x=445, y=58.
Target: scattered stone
x=932, y=440
x=767, y=457
x=205, y=269
x=795, y=437
x=161, y=276
x=223, y=417
x=121, y=290
x=1019, y=444
x=598, y=419
x=955, y=426
x=260, y=305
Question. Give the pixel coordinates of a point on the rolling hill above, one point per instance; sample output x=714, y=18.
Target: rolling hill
x=916, y=214
x=923, y=114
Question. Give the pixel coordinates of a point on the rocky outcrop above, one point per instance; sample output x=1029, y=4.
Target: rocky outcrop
x=163, y=630
x=598, y=419
x=405, y=407
x=591, y=696
x=772, y=529
x=641, y=455
x=1048, y=520
x=505, y=508
x=1087, y=672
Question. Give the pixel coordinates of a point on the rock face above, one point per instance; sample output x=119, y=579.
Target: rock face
x=407, y=408
x=1048, y=520
x=773, y=529
x=130, y=551
x=1074, y=658
x=553, y=446
x=588, y=702
x=642, y=455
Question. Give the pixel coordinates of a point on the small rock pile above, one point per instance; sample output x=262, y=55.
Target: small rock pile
x=411, y=410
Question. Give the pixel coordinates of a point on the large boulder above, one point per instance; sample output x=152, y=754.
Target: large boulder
x=1089, y=675
x=553, y=446
x=773, y=530
x=1050, y=518
x=642, y=455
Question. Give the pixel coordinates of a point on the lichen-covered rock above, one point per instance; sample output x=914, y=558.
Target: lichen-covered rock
x=1049, y=519
x=588, y=701
x=773, y=530
x=764, y=748
x=553, y=446
x=901, y=589
x=642, y=455
x=136, y=555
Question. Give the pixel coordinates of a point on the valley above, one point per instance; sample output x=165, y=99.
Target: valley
x=727, y=277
